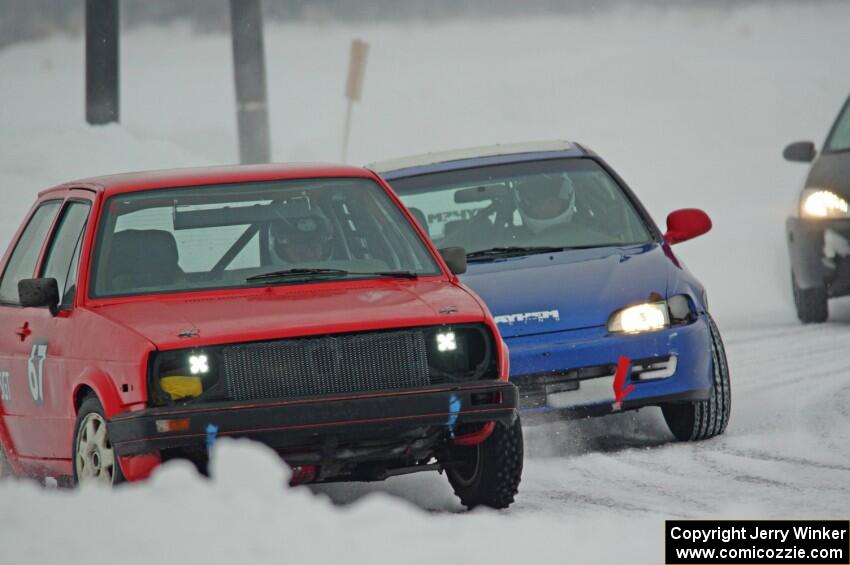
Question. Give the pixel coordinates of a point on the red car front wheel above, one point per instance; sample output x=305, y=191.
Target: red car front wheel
x=5, y=468
x=94, y=459
x=488, y=474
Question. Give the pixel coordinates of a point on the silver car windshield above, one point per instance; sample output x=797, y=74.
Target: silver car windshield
x=238, y=235
x=545, y=204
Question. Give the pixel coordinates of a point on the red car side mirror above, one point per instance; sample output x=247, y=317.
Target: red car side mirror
x=686, y=224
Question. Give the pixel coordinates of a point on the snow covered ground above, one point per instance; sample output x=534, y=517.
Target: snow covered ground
x=692, y=106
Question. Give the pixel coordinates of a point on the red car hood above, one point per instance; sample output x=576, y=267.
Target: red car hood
x=290, y=311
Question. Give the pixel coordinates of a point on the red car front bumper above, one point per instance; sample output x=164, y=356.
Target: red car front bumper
x=313, y=430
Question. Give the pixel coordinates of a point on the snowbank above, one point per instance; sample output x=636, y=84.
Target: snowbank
x=246, y=515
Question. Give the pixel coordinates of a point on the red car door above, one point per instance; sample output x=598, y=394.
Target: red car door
x=51, y=362
x=41, y=416
x=18, y=399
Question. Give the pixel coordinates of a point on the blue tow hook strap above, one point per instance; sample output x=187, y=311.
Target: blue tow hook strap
x=454, y=410
x=212, y=430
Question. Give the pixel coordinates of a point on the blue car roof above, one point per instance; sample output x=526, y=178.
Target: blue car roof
x=475, y=157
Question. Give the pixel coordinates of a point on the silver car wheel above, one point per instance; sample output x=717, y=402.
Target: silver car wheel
x=95, y=460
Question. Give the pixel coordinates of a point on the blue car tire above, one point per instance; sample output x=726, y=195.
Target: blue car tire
x=704, y=419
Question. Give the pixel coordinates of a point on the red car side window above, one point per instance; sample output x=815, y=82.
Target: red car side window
x=61, y=259
x=22, y=262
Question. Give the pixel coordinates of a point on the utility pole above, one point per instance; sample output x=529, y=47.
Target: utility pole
x=102, y=48
x=249, y=72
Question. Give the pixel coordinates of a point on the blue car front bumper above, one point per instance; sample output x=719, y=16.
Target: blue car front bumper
x=571, y=373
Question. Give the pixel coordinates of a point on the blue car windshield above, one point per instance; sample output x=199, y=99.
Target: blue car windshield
x=549, y=203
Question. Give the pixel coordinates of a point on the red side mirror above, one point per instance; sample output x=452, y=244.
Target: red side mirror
x=686, y=224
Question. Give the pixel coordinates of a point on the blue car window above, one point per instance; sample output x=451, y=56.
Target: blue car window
x=557, y=202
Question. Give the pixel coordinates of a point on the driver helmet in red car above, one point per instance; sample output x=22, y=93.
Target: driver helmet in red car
x=545, y=201
x=301, y=239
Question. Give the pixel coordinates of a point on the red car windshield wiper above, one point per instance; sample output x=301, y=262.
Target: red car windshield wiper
x=322, y=273
x=296, y=273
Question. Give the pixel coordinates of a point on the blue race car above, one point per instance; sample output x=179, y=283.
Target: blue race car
x=599, y=314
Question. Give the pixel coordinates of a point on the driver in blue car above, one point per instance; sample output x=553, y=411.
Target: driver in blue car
x=545, y=202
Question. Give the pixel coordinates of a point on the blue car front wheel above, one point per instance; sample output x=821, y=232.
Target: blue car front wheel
x=704, y=419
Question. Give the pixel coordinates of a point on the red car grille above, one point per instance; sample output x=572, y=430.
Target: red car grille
x=326, y=365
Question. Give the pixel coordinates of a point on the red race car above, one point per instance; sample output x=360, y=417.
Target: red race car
x=145, y=315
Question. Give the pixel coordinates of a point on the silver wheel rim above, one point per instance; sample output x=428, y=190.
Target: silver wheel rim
x=95, y=460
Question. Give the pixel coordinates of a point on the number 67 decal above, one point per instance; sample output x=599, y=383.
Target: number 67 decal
x=35, y=371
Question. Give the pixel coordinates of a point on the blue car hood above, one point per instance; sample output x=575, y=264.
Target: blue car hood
x=570, y=289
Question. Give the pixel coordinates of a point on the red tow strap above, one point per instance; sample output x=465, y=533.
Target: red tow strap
x=621, y=391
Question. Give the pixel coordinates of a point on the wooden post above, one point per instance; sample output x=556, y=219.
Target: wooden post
x=353, y=87
x=102, y=61
x=249, y=72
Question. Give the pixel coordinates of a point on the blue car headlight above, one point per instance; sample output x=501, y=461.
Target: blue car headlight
x=646, y=317
x=652, y=316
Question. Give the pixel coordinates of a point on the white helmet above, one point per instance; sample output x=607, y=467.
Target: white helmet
x=538, y=189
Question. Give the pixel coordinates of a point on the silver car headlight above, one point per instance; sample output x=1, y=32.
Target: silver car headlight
x=820, y=203
x=646, y=317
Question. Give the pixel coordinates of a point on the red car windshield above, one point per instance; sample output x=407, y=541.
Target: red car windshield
x=229, y=236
